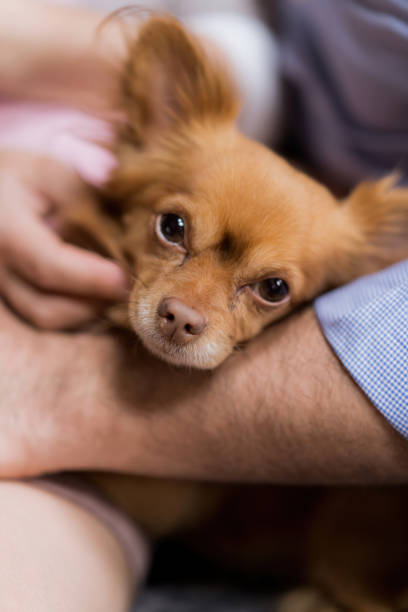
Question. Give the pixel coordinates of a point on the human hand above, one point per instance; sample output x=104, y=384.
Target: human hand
x=50, y=283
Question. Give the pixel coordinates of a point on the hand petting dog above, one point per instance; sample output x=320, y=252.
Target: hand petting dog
x=50, y=283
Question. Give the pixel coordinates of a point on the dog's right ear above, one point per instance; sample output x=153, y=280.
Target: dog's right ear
x=170, y=80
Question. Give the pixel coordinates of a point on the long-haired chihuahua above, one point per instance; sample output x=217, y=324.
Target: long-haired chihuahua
x=222, y=237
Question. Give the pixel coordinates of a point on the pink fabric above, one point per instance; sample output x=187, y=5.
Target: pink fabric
x=68, y=135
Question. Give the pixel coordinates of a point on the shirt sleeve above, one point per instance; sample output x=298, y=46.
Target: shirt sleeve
x=366, y=323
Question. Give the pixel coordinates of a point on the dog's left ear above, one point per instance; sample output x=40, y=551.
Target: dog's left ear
x=372, y=228
x=170, y=80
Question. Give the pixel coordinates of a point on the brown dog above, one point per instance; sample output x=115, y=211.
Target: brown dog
x=222, y=237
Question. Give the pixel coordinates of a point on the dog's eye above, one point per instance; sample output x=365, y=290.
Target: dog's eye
x=171, y=228
x=272, y=290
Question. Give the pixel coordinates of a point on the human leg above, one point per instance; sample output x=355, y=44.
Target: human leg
x=55, y=555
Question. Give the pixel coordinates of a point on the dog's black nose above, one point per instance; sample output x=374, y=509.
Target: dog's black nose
x=179, y=322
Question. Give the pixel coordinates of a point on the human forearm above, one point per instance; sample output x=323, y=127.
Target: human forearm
x=282, y=410
x=53, y=53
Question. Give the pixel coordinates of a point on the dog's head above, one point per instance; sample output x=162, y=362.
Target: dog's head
x=222, y=235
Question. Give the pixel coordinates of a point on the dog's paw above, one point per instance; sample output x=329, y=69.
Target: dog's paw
x=307, y=600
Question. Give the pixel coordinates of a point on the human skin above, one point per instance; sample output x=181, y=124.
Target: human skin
x=52, y=284
x=57, y=556
x=282, y=410
x=41, y=59
x=54, y=554
x=49, y=282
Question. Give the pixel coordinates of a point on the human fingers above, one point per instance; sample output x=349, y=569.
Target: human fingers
x=46, y=311
x=42, y=258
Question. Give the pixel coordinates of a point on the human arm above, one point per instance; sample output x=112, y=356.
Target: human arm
x=54, y=53
x=203, y=410
x=282, y=410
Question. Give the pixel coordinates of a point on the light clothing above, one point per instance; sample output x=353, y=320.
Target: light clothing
x=366, y=323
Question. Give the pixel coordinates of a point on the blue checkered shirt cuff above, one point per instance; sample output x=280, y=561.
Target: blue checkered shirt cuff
x=366, y=323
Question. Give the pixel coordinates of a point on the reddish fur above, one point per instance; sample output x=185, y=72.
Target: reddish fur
x=181, y=150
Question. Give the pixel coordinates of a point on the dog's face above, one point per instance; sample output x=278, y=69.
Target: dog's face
x=237, y=244
x=222, y=235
